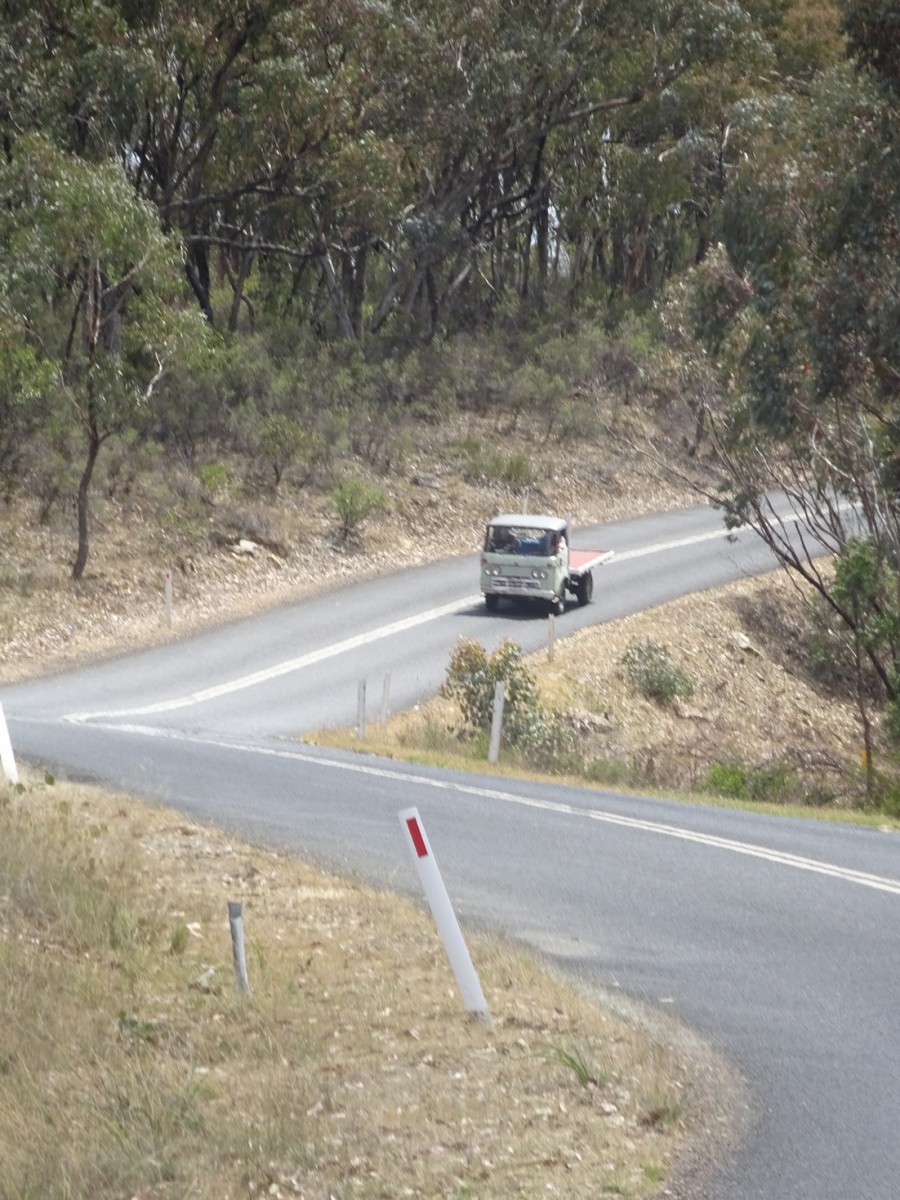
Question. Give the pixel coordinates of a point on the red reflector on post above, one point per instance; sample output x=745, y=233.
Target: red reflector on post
x=417, y=840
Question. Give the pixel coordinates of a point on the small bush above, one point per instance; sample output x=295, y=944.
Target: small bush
x=355, y=500
x=473, y=674
x=539, y=735
x=213, y=478
x=774, y=784
x=281, y=442
x=517, y=471
x=651, y=670
x=727, y=779
x=765, y=785
x=481, y=463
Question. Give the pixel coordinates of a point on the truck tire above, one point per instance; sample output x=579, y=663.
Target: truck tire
x=585, y=589
x=558, y=607
x=491, y=601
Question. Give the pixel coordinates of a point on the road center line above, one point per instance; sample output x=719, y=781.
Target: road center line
x=796, y=862
x=282, y=668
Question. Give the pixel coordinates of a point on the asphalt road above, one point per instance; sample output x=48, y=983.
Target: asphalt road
x=775, y=940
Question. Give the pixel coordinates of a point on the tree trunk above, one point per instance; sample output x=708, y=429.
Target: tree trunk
x=84, y=488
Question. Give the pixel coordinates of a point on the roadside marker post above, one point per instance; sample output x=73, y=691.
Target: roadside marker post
x=445, y=918
x=238, y=953
x=7, y=758
x=497, y=720
x=168, y=594
x=385, y=698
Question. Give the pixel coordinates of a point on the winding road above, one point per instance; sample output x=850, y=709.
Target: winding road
x=775, y=940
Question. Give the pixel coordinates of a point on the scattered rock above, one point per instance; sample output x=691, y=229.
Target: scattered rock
x=741, y=642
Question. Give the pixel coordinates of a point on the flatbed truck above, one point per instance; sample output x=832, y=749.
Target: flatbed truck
x=527, y=556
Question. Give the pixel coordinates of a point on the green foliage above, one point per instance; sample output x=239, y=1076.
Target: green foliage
x=650, y=668
x=355, y=501
x=281, y=442
x=517, y=471
x=577, y=1060
x=773, y=784
x=473, y=674
x=213, y=478
x=540, y=735
x=483, y=463
x=180, y=939
x=727, y=779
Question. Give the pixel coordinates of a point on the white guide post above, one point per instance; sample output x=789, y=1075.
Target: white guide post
x=7, y=758
x=169, y=599
x=445, y=917
x=551, y=638
x=497, y=721
x=238, y=953
x=385, y=698
x=361, y=710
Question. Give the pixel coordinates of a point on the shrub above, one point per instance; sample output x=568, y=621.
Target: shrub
x=540, y=735
x=773, y=784
x=517, y=471
x=355, y=500
x=727, y=779
x=213, y=478
x=651, y=670
x=281, y=441
x=473, y=674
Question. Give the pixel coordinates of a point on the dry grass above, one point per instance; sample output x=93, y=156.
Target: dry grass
x=131, y=1066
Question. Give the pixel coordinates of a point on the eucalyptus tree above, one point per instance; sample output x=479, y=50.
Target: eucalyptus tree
x=801, y=307
x=94, y=286
x=406, y=167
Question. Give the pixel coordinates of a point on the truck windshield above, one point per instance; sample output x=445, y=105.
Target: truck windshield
x=520, y=539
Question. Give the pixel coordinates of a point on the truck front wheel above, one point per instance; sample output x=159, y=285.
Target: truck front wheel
x=585, y=589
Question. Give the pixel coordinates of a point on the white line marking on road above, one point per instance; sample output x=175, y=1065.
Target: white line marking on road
x=693, y=539
x=778, y=857
x=266, y=674
x=282, y=668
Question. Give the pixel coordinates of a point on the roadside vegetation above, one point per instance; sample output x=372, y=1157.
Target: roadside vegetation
x=724, y=698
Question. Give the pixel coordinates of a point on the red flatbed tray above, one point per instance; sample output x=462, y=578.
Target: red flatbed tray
x=583, y=560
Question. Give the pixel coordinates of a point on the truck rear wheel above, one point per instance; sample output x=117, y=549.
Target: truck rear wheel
x=585, y=589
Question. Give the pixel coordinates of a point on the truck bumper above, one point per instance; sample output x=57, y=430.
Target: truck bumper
x=523, y=589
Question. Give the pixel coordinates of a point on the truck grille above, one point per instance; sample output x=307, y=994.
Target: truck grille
x=518, y=585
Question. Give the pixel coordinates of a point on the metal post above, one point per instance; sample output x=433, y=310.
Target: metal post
x=497, y=721
x=236, y=921
x=551, y=638
x=361, y=710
